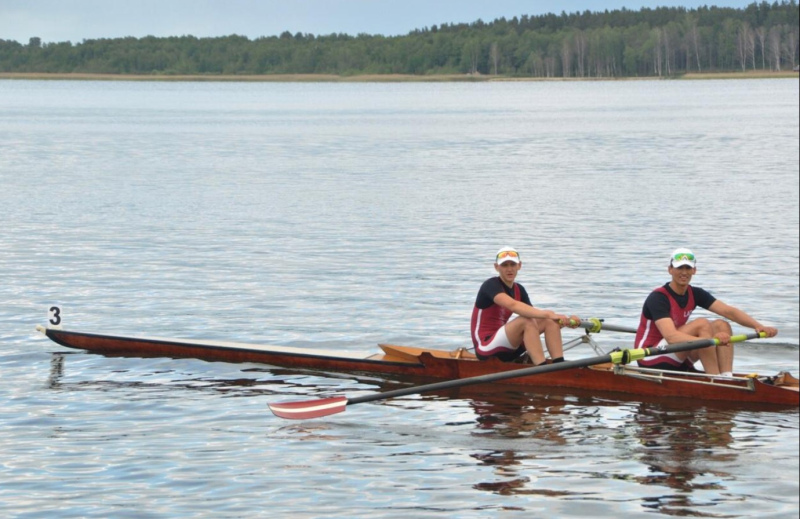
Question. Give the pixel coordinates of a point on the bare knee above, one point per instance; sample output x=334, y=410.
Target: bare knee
x=531, y=326
x=720, y=325
x=702, y=322
x=703, y=327
x=548, y=325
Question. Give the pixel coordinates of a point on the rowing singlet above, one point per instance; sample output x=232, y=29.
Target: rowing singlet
x=486, y=321
x=648, y=334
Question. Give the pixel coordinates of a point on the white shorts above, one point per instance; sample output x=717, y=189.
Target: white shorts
x=670, y=359
x=499, y=346
x=672, y=356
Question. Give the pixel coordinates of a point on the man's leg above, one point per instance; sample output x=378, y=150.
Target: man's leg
x=702, y=329
x=552, y=337
x=724, y=351
x=526, y=331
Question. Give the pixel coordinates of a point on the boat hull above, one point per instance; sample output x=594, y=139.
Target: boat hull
x=439, y=364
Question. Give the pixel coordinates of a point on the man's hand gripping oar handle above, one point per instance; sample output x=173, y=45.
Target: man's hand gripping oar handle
x=595, y=325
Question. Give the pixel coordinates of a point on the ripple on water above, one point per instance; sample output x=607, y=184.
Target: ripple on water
x=236, y=212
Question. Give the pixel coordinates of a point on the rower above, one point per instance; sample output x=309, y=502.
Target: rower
x=495, y=334
x=665, y=320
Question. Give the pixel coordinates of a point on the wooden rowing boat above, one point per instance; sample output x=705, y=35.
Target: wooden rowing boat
x=405, y=361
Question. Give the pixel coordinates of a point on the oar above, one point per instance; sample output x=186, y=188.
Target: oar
x=328, y=406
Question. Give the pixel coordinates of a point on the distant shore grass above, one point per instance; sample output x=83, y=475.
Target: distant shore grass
x=374, y=78
x=754, y=74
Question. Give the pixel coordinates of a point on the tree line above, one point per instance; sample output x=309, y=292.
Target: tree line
x=664, y=41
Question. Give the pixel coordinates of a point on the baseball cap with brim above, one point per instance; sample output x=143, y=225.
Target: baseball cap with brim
x=681, y=257
x=506, y=254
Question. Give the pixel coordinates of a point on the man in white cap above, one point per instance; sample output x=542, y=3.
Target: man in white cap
x=495, y=334
x=665, y=320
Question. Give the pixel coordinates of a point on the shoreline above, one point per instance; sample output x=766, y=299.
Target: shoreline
x=377, y=78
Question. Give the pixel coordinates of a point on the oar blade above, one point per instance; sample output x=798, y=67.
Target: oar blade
x=309, y=408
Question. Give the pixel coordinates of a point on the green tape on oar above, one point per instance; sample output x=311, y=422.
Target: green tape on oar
x=597, y=325
x=627, y=356
x=328, y=406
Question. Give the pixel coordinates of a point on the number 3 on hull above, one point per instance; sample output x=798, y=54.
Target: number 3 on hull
x=54, y=314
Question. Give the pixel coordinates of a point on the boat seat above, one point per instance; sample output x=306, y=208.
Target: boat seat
x=410, y=353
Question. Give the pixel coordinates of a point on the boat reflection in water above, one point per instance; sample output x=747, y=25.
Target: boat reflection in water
x=550, y=438
x=557, y=443
x=56, y=370
x=503, y=417
x=534, y=431
x=683, y=450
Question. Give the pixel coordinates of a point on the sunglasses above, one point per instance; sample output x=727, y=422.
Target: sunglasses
x=505, y=255
x=683, y=256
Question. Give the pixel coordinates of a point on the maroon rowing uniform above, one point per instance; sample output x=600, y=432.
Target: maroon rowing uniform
x=665, y=302
x=488, y=317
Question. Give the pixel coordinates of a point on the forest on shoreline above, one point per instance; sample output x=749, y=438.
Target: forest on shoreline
x=379, y=78
x=661, y=42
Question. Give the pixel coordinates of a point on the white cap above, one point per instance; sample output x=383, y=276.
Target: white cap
x=681, y=257
x=506, y=254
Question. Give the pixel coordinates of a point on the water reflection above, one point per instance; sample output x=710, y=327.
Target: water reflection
x=234, y=380
x=56, y=370
x=680, y=446
x=511, y=414
x=554, y=444
x=530, y=425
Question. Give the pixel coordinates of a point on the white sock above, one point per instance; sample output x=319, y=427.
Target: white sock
x=727, y=374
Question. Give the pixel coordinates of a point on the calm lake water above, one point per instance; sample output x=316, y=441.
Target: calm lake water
x=337, y=216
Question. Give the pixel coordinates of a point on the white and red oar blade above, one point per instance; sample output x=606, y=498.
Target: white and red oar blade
x=309, y=408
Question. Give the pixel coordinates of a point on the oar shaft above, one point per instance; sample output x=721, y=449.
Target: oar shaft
x=700, y=343
x=617, y=357
x=596, y=325
x=329, y=406
x=592, y=324
x=492, y=377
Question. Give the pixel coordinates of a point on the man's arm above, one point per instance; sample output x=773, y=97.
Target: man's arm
x=525, y=310
x=741, y=317
x=666, y=326
x=657, y=308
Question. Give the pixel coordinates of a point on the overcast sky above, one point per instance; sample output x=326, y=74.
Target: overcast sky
x=77, y=20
